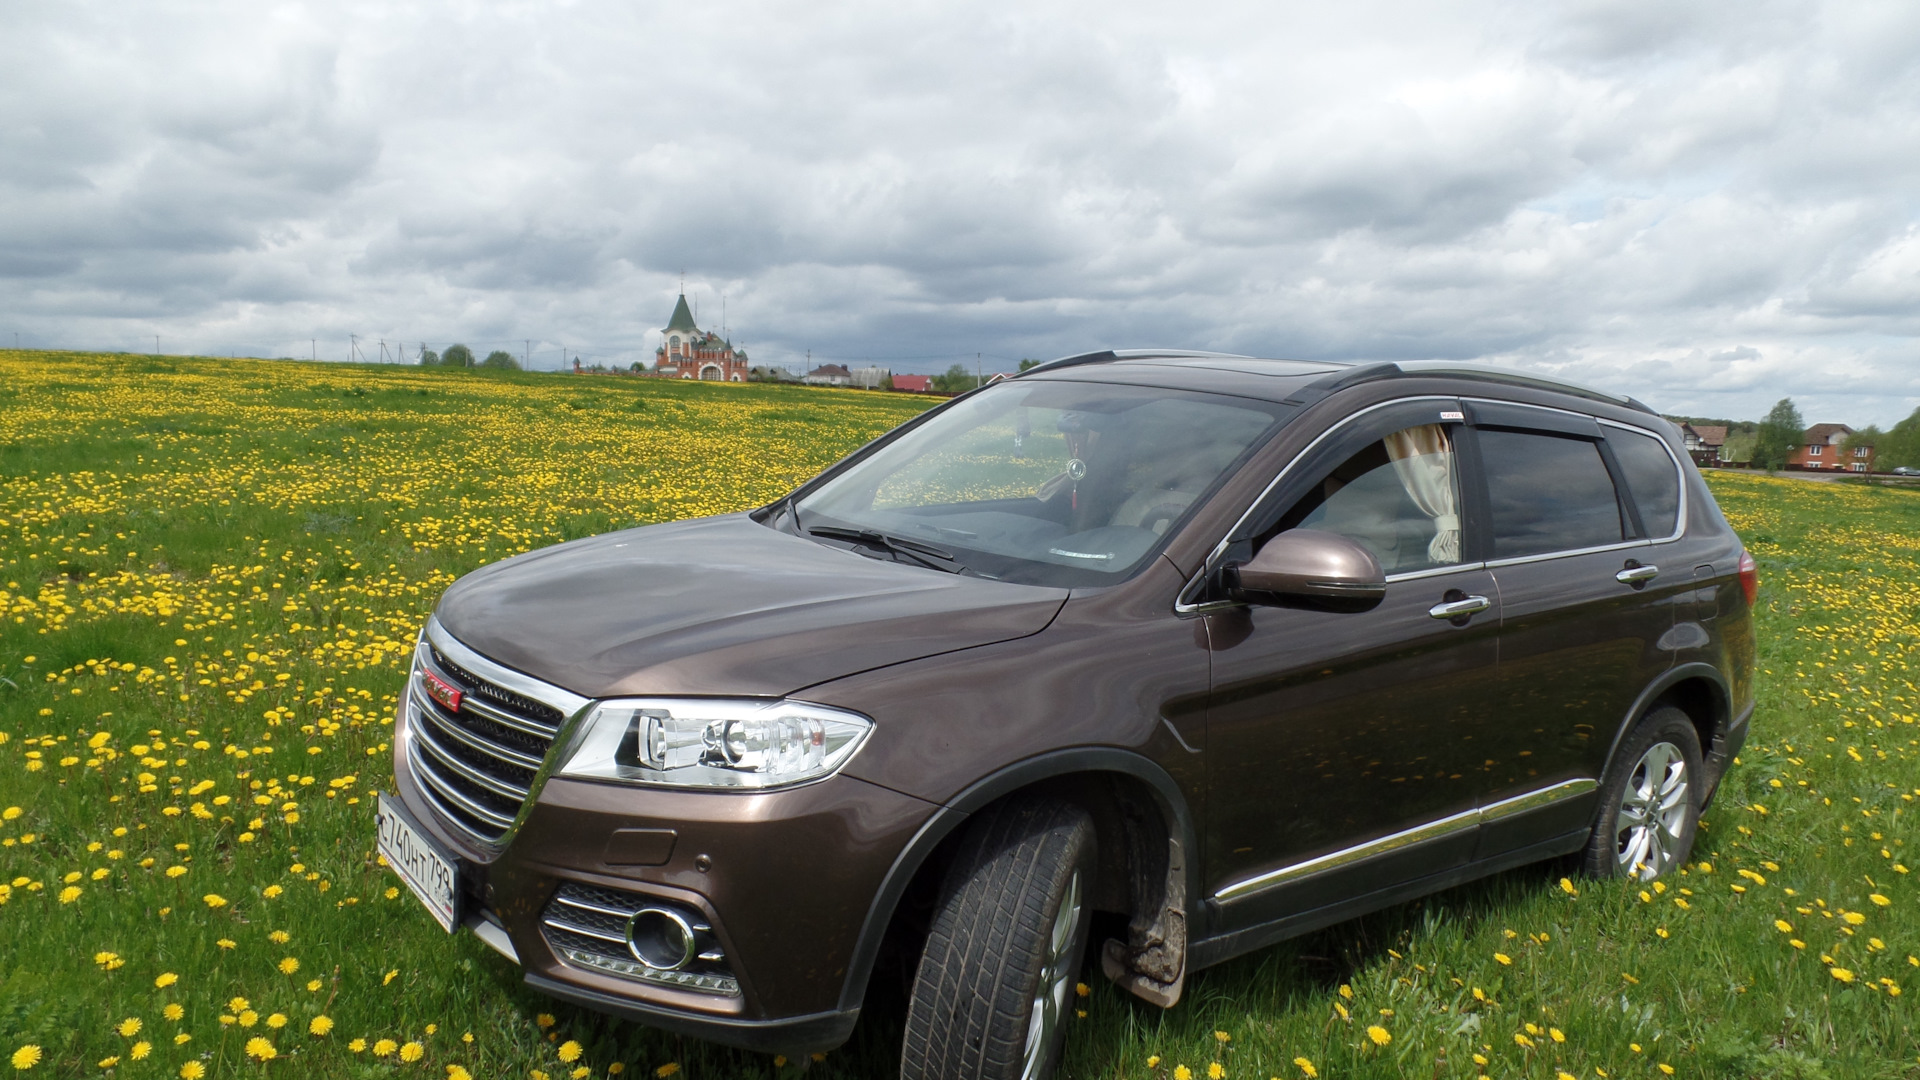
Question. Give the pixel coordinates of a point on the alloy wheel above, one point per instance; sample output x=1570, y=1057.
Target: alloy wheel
x=1653, y=812
x=1055, y=988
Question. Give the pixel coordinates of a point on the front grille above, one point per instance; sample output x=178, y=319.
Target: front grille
x=478, y=764
x=587, y=927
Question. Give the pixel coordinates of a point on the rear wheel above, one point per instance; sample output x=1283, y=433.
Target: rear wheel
x=996, y=979
x=1652, y=800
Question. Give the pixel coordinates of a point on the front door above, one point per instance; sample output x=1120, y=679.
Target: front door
x=1343, y=748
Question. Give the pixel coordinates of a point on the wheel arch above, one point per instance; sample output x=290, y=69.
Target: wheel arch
x=1106, y=781
x=1697, y=689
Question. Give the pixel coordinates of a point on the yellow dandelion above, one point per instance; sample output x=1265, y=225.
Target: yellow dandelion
x=1853, y=918
x=1841, y=974
x=357, y=1045
x=671, y=1068
x=320, y=1025
x=1216, y=1071
x=1306, y=1068
x=1222, y=1037
x=1181, y=1072
x=260, y=1049
x=140, y=1050
x=225, y=943
x=544, y=1020
x=1503, y=958
x=384, y=1047
x=1380, y=1036
x=165, y=979
x=455, y=1072
x=1783, y=926
x=215, y=900
x=69, y=894
x=412, y=1051
x=289, y=965
x=192, y=1070
x=279, y=937
x=1878, y=900
x=173, y=1011
x=570, y=1051
x=26, y=1057
x=271, y=891
x=110, y=1061
x=129, y=1027
x=1521, y=1040
x=1566, y=886
x=391, y=975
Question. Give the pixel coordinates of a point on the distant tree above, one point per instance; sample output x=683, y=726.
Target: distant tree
x=429, y=358
x=1901, y=445
x=1779, y=434
x=1870, y=435
x=956, y=380
x=1739, y=447
x=1026, y=364
x=500, y=360
x=457, y=356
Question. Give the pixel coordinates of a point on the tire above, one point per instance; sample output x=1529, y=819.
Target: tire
x=1651, y=800
x=996, y=978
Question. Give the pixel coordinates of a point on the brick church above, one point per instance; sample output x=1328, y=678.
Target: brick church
x=688, y=352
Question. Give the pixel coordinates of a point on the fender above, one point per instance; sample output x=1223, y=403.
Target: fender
x=1667, y=680
x=950, y=816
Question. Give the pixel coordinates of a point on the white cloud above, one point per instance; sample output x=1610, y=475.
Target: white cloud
x=1707, y=207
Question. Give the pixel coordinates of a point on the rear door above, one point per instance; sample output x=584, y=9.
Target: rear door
x=1584, y=609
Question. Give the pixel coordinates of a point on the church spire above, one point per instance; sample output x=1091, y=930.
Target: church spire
x=682, y=318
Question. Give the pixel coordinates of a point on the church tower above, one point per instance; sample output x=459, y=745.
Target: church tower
x=688, y=352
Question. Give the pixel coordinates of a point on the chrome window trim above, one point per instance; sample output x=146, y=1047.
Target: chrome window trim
x=1432, y=830
x=1680, y=477
x=1181, y=605
x=1517, y=560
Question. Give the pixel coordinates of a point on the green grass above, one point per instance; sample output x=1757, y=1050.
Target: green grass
x=201, y=560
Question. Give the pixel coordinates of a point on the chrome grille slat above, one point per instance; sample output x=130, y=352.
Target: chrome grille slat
x=470, y=740
x=445, y=757
x=479, y=764
x=595, y=908
x=446, y=791
x=557, y=924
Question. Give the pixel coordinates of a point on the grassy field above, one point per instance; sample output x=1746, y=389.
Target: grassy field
x=210, y=576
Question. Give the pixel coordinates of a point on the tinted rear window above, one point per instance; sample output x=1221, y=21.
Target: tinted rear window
x=1548, y=493
x=1651, y=476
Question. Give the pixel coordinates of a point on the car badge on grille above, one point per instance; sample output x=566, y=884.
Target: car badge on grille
x=441, y=691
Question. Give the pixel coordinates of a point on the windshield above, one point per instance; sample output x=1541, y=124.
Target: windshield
x=1050, y=483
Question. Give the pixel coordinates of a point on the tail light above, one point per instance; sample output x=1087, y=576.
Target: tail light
x=1749, y=577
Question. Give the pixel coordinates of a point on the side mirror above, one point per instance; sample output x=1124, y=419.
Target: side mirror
x=1309, y=568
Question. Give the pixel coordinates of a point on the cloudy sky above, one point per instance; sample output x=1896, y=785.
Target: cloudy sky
x=1708, y=205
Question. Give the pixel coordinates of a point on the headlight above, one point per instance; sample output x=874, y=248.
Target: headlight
x=689, y=742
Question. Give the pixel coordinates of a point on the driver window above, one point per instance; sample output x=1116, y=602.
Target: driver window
x=1399, y=497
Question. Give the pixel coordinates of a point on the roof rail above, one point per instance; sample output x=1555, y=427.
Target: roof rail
x=1334, y=382
x=1103, y=357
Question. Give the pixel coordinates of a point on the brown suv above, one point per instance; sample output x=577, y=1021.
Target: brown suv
x=1231, y=649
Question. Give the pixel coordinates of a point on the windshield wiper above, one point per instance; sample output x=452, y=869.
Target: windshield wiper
x=914, y=550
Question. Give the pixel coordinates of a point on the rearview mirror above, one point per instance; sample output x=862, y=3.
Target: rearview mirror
x=1309, y=568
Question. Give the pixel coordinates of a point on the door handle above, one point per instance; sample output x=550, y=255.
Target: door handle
x=1454, y=609
x=1637, y=575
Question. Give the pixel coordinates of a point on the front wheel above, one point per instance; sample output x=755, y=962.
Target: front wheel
x=1651, y=801
x=996, y=979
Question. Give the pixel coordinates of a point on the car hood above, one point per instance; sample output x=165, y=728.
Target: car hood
x=723, y=605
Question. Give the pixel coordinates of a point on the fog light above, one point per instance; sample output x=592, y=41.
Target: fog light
x=660, y=938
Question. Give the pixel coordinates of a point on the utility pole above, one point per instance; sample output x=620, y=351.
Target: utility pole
x=979, y=373
x=526, y=358
x=314, y=345
x=156, y=344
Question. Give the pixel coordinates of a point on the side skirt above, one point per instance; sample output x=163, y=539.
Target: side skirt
x=1214, y=950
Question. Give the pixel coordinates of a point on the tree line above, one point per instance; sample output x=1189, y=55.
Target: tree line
x=461, y=356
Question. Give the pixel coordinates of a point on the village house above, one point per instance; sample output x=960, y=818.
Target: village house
x=829, y=375
x=688, y=352
x=1823, y=451
x=1704, y=442
x=913, y=384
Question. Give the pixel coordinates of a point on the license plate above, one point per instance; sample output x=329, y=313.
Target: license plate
x=432, y=874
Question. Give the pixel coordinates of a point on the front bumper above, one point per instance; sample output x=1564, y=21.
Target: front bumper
x=785, y=878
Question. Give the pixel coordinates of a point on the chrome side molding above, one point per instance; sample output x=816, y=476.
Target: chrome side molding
x=1419, y=834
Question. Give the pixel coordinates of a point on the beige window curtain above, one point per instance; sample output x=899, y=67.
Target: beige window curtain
x=1423, y=460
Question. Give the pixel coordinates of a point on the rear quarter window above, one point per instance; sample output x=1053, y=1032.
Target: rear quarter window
x=1652, y=477
x=1548, y=493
